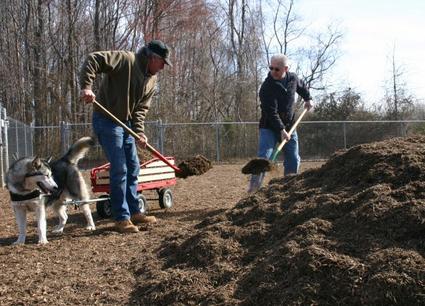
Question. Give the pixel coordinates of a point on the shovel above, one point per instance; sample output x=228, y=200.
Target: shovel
x=260, y=165
x=198, y=165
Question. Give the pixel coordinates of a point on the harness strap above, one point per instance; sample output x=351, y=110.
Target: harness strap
x=18, y=197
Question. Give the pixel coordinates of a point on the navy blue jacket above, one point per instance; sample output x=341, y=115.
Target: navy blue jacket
x=278, y=99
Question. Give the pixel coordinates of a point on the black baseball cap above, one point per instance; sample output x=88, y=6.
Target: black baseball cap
x=160, y=49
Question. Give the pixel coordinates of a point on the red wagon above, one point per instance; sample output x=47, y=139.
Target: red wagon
x=154, y=175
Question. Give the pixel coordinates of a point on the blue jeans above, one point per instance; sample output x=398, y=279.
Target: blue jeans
x=121, y=151
x=268, y=140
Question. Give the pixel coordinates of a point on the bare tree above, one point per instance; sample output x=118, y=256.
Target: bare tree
x=320, y=58
x=399, y=102
x=286, y=25
x=315, y=60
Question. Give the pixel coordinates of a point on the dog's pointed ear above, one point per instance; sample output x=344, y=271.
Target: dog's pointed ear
x=49, y=159
x=36, y=163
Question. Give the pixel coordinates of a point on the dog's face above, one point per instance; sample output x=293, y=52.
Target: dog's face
x=39, y=175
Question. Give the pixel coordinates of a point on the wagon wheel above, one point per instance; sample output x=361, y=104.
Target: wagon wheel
x=103, y=208
x=165, y=198
x=143, y=203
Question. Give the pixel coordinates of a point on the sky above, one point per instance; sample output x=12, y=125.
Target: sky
x=373, y=31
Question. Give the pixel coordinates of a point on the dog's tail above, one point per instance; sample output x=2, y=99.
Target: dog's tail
x=79, y=149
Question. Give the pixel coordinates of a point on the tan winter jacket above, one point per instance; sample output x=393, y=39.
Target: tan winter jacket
x=127, y=87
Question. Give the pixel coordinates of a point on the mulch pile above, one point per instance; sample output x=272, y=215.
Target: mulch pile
x=351, y=232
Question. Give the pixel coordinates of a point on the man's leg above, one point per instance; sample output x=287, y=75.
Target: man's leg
x=133, y=168
x=292, y=158
x=266, y=143
x=111, y=138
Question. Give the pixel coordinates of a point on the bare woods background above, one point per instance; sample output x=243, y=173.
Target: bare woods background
x=219, y=51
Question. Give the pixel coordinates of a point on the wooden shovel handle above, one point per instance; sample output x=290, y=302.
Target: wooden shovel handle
x=294, y=126
x=134, y=134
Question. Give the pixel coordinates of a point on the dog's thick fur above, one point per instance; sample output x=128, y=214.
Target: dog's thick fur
x=67, y=183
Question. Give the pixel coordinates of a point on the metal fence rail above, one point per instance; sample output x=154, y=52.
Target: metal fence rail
x=219, y=141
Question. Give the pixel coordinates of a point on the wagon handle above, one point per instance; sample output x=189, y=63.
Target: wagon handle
x=134, y=134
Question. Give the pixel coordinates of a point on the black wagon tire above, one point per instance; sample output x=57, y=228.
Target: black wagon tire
x=103, y=207
x=165, y=198
x=143, y=203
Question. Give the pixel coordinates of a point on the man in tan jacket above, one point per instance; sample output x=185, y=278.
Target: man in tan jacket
x=126, y=90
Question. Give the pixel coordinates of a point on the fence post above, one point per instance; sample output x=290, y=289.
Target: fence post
x=5, y=138
x=62, y=133
x=64, y=130
x=161, y=136
x=217, y=141
x=403, y=129
x=25, y=139
x=17, y=139
x=344, y=128
x=31, y=127
x=2, y=170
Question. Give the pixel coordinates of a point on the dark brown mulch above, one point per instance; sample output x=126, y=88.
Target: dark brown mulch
x=349, y=233
x=196, y=165
x=103, y=267
x=257, y=166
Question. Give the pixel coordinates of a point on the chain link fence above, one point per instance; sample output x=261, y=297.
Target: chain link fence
x=218, y=141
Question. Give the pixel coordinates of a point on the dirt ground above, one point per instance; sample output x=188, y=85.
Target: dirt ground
x=101, y=267
x=349, y=232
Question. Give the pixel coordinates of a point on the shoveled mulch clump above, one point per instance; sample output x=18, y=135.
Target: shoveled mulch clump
x=196, y=165
x=349, y=233
x=257, y=166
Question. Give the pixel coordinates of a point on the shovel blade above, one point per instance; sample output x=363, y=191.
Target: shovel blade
x=257, y=166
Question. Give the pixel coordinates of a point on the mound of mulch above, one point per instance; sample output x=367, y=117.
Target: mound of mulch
x=351, y=233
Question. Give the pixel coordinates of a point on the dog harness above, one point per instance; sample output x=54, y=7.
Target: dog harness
x=29, y=196
x=18, y=197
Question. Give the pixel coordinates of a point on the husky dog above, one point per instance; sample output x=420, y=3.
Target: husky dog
x=28, y=178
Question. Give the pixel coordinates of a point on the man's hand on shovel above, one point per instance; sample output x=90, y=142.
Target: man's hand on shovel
x=142, y=140
x=308, y=105
x=87, y=95
x=284, y=135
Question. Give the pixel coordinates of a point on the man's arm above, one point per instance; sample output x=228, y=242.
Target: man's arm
x=304, y=92
x=143, y=105
x=95, y=63
x=142, y=108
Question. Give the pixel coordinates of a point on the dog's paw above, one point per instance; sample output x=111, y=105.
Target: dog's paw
x=90, y=227
x=43, y=241
x=19, y=242
x=58, y=230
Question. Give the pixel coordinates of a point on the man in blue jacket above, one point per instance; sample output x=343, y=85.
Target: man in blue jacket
x=277, y=96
